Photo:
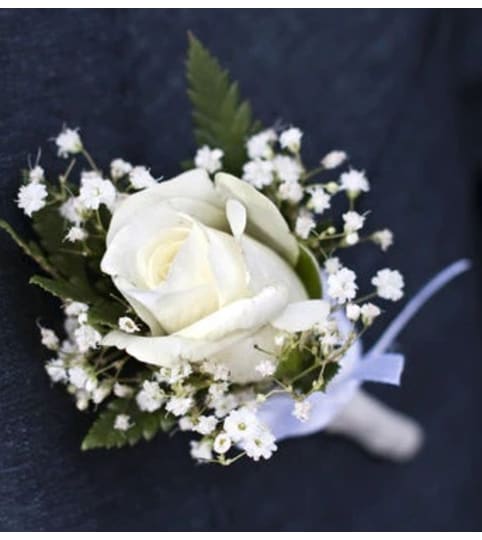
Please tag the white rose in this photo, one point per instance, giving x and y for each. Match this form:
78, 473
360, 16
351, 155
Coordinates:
209, 267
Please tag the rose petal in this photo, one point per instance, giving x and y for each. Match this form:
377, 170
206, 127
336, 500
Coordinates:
265, 222
178, 309
301, 316
123, 286
236, 214
266, 267
227, 263
189, 292
245, 314
122, 253
207, 337
160, 351
191, 192
242, 357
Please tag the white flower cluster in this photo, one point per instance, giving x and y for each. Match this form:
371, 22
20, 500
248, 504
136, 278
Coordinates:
342, 286
229, 419
139, 177
81, 366
242, 428
368, 312
94, 190
275, 167
72, 365
32, 196
209, 159
282, 169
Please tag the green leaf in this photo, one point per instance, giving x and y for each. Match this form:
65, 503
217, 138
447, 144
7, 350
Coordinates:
106, 313
144, 426
70, 259
51, 230
221, 119
29, 248
329, 372
291, 364
63, 289
309, 272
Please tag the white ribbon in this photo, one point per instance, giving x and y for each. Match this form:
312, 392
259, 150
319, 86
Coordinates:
376, 365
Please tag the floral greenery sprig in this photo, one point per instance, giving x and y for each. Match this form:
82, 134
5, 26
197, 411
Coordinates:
140, 370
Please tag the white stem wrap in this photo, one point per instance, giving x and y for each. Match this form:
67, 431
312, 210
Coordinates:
345, 409
377, 428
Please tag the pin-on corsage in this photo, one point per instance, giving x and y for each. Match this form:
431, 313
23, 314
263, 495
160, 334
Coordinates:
217, 302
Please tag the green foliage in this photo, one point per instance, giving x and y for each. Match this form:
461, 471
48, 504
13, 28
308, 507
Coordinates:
144, 426
106, 313
66, 258
329, 371
291, 363
309, 272
76, 273
302, 368
74, 276
29, 248
50, 228
64, 289
221, 119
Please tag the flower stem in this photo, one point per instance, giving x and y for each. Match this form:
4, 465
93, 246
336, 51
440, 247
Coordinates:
365, 298
90, 160
313, 172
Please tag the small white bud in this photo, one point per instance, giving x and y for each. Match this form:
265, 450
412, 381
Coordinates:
332, 188
266, 368
185, 423
334, 159
82, 401
304, 225
122, 390
290, 139
222, 443
119, 168
49, 339
122, 422
126, 324
352, 239
353, 312
68, 142
383, 238
36, 174
76, 234
100, 393
369, 312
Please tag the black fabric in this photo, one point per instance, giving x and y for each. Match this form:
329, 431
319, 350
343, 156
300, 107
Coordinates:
401, 92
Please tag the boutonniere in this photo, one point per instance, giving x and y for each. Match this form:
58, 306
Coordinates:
216, 302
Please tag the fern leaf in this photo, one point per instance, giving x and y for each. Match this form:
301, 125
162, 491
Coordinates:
221, 118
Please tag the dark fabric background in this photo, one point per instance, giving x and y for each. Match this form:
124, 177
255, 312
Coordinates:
401, 92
